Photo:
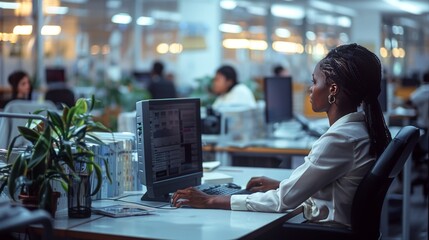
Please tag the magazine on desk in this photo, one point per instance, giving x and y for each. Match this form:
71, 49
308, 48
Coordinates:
121, 210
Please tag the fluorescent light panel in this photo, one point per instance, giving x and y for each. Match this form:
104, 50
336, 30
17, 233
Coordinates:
121, 18
9, 5
230, 28
287, 11
228, 4
57, 10
405, 6
145, 21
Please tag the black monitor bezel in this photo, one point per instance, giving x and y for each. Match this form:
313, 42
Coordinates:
160, 190
288, 99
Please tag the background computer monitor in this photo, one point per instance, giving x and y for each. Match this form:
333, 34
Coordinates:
168, 145
142, 78
278, 97
55, 75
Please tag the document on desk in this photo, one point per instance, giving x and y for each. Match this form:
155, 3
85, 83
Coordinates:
121, 210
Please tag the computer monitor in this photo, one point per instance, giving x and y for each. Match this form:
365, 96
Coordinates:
55, 75
278, 99
142, 78
169, 152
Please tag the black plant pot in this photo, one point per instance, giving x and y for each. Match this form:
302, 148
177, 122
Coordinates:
79, 197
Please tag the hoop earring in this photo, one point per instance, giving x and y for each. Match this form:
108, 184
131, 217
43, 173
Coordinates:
331, 99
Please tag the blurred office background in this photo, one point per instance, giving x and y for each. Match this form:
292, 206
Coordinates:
107, 47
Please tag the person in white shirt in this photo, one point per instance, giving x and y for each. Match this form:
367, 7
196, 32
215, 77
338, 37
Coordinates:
229, 92
420, 100
325, 184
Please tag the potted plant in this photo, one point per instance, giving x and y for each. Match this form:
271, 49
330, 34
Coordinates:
60, 152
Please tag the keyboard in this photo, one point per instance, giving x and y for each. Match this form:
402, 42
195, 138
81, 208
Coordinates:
223, 189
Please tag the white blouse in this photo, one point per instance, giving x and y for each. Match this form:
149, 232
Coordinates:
326, 182
239, 95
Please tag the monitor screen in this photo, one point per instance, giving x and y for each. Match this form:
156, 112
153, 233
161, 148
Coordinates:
55, 75
278, 99
142, 78
168, 145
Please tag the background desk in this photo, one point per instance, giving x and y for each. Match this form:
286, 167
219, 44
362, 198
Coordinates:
182, 223
230, 152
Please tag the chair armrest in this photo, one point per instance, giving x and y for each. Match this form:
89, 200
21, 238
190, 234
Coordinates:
315, 231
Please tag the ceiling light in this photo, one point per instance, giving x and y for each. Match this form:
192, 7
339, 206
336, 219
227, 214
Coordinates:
145, 21
23, 29
405, 6
51, 30
332, 8
57, 10
291, 12
228, 4
344, 22
121, 18
230, 28
235, 43
282, 32
9, 5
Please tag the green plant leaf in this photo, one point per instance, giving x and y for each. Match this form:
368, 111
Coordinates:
99, 177
29, 134
41, 148
57, 121
18, 169
106, 166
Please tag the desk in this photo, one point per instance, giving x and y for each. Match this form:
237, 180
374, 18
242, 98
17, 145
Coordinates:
182, 223
284, 148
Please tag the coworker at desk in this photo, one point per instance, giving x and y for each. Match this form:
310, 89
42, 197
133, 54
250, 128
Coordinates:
21, 86
161, 87
325, 184
229, 92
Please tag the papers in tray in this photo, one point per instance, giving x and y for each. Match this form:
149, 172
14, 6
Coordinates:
210, 166
121, 210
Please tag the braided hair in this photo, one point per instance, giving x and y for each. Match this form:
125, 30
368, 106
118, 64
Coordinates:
357, 71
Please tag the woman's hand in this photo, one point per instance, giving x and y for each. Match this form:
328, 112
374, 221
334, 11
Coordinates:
262, 184
195, 198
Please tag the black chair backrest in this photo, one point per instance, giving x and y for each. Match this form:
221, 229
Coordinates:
369, 197
61, 96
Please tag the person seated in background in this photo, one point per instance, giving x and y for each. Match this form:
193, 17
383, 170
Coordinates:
161, 87
229, 92
21, 86
419, 99
280, 71
323, 187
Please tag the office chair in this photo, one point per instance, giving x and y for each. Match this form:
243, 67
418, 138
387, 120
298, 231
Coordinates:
14, 218
61, 96
369, 197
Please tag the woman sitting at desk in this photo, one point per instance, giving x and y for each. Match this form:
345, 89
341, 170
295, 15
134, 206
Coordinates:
229, 92
325, 184
21, 86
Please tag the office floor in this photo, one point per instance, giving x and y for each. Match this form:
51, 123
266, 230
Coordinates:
418, 215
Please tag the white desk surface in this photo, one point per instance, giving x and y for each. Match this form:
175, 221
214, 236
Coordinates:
188, 223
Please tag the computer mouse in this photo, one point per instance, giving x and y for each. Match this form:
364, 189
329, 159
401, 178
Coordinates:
232, 185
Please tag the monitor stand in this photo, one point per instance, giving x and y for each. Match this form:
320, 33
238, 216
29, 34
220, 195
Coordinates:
164, 198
